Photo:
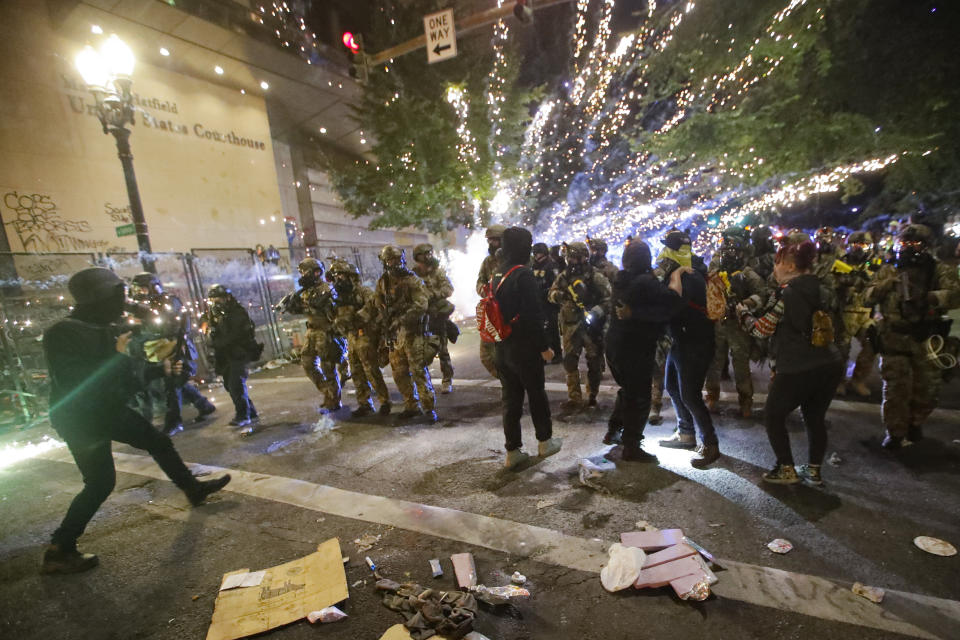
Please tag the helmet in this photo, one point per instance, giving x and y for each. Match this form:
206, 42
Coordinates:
341, 267
540, 248
577, 250
859, 237
794, 236
733, 241
674, 239
218, 291
393, 256
495, 231
422, 249
146, 280
309, 265
916, 233
736, 232
760, 233
597, 246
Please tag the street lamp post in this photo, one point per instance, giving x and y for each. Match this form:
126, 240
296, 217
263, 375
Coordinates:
107, 75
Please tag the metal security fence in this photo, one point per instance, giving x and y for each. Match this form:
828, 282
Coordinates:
33, 296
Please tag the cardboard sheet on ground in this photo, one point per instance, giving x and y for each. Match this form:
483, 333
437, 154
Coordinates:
400, 632
287, 592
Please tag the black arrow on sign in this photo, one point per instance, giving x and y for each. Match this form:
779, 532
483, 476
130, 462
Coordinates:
437, 49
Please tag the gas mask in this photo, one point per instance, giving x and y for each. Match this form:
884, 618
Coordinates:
492, 245
731, 260
308, 279
858, 254
343, 285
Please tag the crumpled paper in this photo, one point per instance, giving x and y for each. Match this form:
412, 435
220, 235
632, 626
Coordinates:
623, 567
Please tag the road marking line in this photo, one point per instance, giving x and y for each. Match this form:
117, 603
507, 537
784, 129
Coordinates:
763, 586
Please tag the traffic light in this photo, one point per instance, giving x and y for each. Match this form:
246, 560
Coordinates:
523, 10
354, 43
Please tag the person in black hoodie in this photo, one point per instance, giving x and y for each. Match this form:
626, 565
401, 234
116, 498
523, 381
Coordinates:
806, 375
92, 380
642, 307
521, 356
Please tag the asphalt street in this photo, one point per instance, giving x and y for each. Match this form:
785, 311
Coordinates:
302, 479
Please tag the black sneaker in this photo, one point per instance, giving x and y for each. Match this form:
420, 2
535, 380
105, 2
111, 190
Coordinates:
60, 562
237, 420
633, 453
205, 411
204, 488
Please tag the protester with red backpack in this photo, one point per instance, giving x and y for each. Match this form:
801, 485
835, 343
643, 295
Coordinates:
522, 348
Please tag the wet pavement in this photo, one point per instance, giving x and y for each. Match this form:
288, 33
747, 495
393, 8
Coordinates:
157, 554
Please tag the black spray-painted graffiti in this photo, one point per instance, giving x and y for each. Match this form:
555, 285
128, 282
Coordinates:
36, 221
120, 215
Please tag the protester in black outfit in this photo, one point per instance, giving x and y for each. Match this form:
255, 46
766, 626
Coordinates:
234, 346
92, 380
806, 375
545, 271
521, 356
642, 306
693, 337
166, 320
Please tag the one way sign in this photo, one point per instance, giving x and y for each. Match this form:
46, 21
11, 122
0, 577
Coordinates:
441, 36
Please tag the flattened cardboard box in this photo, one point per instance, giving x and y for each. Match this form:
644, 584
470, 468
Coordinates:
287, 593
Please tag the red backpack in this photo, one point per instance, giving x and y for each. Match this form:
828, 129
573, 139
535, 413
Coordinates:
490, 322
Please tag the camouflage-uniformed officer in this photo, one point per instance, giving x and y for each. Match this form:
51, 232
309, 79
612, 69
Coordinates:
598, 259
764, 252
402, 300
545, 272
743, 286
856, 315
439, 308
322, 351
489, 269
356, 318
580, 290
912, 294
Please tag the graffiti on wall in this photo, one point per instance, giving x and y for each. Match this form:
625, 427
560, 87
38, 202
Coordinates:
35, 222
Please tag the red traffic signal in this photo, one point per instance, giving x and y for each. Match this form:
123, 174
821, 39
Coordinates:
351, 42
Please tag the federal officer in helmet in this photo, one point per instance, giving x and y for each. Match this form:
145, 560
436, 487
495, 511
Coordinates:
598, 258
402, 301
166, 331
912, 294
357, 318
488, 270
852, 280
583, 294
233, 339
439, 309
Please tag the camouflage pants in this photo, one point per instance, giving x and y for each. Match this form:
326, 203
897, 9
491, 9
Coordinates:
319, 358
575, 341
865, 359
730, 337
911, 384
365, 370
411, 373
446, 365
488, 353
659, 370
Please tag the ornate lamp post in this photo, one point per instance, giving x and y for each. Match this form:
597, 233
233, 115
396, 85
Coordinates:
107, 75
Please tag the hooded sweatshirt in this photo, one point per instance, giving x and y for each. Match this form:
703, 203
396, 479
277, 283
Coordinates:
519, 294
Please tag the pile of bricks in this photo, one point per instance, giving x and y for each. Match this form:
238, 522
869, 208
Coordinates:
670, 561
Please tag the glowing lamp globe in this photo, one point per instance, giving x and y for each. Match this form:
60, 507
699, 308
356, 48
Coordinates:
118, 56
92, 67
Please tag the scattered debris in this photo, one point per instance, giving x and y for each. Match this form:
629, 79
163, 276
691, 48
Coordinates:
623, 567
717, 524
428, 612
936, 546
242, 579
465, 568
435, 568
834, 459
669, 554
591, 472
548, 502
320, 519
307, 584
196, 597
328, 614
780, 545
873, 594
643, 525
706, 554
370, 564
652, 540
518, 578
345, 559
496, 596
358, 583
692, 587
366, 542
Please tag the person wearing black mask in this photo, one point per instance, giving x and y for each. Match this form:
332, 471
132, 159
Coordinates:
642, 307
545, 271
521, 356
92, 380
693, 344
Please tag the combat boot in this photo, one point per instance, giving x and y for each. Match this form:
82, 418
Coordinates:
633, 453
782, 474
655, 418
893, 443
515, 458
385, 409
205, 411
679, 440
746, 406
408, 413
613, 435
432, 417
361, 411
446, 387
571, 405
708, 454
712, 399
592, 402
64, 561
